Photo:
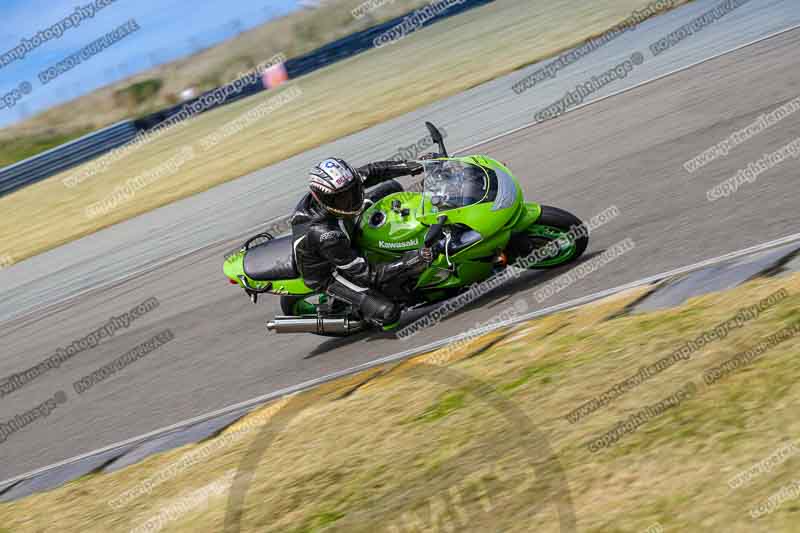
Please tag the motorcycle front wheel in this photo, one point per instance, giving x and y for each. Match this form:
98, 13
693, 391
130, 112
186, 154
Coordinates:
534, 246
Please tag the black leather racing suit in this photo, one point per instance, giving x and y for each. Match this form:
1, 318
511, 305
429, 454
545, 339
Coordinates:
328, 261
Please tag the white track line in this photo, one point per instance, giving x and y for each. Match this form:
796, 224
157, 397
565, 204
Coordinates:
310, 384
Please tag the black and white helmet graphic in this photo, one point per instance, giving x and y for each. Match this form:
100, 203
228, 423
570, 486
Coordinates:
337, 187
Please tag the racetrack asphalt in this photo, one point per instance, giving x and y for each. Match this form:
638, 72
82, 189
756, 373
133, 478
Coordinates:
625, 151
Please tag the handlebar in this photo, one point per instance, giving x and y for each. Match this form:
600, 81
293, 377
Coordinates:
435, 231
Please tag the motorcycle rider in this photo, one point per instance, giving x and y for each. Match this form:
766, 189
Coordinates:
323, 230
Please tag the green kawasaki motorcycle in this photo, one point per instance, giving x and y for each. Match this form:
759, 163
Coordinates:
472, 206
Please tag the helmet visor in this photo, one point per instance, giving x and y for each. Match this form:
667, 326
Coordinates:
347, 202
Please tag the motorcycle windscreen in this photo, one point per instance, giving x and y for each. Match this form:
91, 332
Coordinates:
454, 184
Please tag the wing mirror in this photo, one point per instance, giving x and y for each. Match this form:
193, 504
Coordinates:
436, 135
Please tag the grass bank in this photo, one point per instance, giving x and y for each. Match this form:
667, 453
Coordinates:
483, 443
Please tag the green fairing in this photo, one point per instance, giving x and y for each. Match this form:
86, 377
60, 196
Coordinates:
386, 242
234, 270
388, 239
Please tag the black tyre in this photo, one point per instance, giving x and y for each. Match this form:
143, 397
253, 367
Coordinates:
553, 225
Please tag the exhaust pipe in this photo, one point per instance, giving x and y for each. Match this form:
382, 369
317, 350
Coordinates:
319, 325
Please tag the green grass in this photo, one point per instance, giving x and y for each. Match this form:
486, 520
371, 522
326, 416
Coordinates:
442, 408
14, 150
138, 93
319, 522
544, 374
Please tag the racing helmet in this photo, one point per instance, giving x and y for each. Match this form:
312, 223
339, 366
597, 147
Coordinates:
337, 187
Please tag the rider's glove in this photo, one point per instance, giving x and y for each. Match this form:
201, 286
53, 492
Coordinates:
415, 168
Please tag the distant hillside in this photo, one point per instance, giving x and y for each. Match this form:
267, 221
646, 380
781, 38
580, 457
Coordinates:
159, 87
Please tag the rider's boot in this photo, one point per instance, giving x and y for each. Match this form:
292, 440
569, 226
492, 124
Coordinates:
371, 304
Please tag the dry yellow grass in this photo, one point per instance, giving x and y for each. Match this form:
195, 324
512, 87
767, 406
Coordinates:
294, 34
392, 80
456, 446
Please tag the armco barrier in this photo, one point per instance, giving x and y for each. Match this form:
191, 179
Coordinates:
65, 156
363, 40
96, 144
321, 57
